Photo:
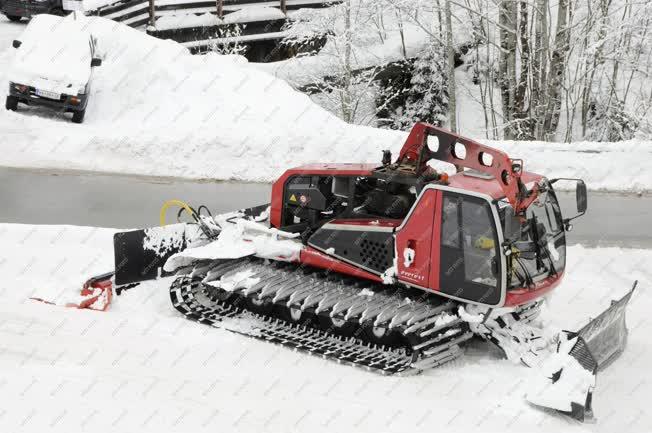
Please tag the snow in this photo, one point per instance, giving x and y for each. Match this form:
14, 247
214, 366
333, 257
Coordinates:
164, 239
178, 21
241, 238
445, 319
573, 385
521, 342
54, 55
142, 367
408, 257
143, 118
252, 14
86, 5
389, 276
242, 279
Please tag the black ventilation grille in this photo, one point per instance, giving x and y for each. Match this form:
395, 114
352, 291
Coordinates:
374, 254
373, 250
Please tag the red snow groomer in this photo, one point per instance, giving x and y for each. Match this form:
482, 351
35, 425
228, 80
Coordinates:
390, 266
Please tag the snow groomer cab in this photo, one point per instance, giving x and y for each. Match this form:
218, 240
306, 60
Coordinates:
486, 232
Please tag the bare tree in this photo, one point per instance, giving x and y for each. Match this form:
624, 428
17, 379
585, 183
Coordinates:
507, 16
557, 68
543, 70
452, 100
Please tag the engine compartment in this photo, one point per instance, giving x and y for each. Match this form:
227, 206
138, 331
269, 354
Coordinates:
309, 201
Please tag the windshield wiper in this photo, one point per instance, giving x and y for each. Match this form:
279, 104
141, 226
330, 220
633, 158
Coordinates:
541, 245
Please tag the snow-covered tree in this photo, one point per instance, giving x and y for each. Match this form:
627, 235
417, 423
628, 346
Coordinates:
227, 40
354, 57
610, 123
535, 67
428, 98
392, 92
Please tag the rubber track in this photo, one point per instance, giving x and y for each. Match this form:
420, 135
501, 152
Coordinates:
189, 297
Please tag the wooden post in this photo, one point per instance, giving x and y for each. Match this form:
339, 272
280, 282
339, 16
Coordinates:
220, 8
152, 14
284, 7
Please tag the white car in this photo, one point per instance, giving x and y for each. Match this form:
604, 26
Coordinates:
54, 65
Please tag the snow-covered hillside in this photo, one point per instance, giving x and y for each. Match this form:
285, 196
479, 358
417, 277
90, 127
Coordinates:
157, 110
141, 367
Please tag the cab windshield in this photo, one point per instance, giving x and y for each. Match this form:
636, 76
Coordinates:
542, 240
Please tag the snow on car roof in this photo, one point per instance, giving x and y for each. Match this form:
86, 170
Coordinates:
55, 49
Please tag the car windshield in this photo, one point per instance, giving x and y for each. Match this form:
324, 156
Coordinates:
544, 231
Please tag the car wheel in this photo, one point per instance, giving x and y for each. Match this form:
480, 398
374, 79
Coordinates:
14, 18
11, 103
78, 116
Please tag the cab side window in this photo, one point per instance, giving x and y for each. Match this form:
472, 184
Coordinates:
450, 222
469, 266
479, 242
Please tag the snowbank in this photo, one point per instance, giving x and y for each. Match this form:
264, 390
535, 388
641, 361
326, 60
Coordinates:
619, 166
141, 367
157, 110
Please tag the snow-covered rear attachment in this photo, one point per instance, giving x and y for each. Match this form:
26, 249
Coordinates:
140, 254
569, 375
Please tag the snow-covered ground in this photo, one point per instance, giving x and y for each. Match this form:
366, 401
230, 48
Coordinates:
157, 110
141, 367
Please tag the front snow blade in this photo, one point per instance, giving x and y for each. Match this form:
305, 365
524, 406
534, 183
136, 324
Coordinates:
599, 343
140, 254
605, 336
569, 375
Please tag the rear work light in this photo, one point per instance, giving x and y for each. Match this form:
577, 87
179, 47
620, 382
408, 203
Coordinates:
20, 87
74, 100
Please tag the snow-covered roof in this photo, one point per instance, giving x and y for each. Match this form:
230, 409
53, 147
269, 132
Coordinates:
251, 14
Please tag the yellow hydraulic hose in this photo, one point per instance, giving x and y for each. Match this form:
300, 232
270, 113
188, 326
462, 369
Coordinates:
173, 202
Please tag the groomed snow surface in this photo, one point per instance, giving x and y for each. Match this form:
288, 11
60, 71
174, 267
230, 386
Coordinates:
157, 110
141, 367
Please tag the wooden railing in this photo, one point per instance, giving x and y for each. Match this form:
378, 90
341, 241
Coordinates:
266, 32
136, 13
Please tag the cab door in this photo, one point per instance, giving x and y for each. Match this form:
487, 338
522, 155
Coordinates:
414, 241
470, 266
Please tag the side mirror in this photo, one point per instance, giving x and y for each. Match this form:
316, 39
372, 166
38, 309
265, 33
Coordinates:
96, 62
16, 43
581, 200
581, 196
